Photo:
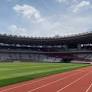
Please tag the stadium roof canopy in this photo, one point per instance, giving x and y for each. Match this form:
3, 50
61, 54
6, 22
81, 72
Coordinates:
79, 38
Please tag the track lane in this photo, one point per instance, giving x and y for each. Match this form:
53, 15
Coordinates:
53, 87
31, 85
79, 85
89, 89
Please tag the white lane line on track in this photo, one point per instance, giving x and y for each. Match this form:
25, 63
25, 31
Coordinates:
52, 82
21, 85
74, 82
89, 88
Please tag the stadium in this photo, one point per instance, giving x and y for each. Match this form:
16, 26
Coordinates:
45, 46
77, 47
24, 58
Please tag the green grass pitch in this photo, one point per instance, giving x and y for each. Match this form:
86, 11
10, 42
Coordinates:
11, 73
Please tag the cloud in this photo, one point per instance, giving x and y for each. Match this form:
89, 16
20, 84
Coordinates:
65, 24
67, 1
81, 5
15, 30
61, 1
29, 12
72, 24
55, 25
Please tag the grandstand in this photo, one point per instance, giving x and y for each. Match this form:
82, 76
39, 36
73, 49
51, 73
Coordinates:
74, 47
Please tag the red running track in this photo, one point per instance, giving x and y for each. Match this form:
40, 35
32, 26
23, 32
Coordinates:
79, 80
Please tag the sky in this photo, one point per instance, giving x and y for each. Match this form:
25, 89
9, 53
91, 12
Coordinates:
45, 18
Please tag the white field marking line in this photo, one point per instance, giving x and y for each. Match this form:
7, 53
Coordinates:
21, 85
74, 82
89, 87
52, 82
